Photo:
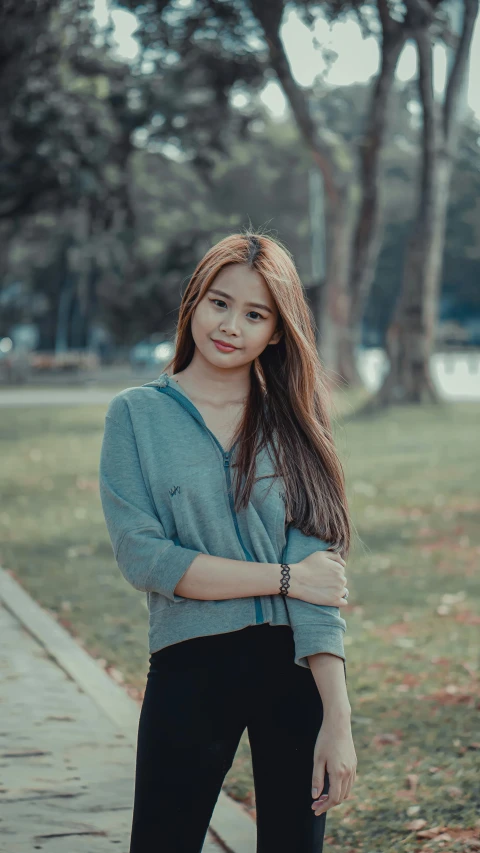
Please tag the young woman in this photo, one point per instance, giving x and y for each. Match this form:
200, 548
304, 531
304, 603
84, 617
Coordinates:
224, 500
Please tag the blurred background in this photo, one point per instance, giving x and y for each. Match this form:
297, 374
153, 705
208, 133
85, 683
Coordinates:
136, 135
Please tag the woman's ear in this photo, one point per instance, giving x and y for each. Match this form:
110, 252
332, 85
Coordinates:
276, 336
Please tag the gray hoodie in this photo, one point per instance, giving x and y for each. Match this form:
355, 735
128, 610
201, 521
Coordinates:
165, 490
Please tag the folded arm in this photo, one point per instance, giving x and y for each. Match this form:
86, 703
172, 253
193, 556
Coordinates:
316, 627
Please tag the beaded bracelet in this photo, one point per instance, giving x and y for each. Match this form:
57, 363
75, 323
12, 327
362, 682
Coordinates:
285, 583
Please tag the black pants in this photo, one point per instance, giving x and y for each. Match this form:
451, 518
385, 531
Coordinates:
200, 696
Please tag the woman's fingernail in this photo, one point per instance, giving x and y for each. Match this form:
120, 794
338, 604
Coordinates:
314, 792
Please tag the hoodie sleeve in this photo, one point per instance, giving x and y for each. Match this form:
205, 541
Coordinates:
144, 555
316, 627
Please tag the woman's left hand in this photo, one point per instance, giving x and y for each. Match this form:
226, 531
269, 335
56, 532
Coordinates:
334, 752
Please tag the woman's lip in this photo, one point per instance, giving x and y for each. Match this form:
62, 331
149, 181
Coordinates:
225, 348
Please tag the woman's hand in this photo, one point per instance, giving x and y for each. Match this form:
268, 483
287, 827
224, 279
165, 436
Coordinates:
320, 579
335, 753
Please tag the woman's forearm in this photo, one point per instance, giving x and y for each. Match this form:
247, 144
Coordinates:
329, 676
214, 578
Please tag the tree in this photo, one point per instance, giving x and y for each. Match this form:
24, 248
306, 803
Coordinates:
211, 51
66, 122
411, 335
26, 54
353, 229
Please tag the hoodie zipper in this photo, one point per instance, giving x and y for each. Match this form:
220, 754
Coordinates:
187, 404
226, 463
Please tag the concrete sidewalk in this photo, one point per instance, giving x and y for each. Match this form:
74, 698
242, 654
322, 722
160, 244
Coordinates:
19, 397
66, 773
66, 760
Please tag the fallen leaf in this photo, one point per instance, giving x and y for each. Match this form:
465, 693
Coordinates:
385, 738
115, 674
416, 824
412, 781
432, 832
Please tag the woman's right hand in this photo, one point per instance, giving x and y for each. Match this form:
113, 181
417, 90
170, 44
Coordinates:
320, 579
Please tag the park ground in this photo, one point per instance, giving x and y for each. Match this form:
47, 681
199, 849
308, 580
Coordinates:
413, 618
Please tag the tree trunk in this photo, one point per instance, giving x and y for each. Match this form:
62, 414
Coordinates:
411, 336
353, 237
369, 224
338, 354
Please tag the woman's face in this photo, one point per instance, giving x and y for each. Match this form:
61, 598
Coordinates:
237, 309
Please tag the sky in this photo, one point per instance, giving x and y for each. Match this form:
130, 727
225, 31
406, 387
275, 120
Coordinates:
357, 57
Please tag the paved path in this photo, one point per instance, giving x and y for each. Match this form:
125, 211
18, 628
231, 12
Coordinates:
66, 770
55, 397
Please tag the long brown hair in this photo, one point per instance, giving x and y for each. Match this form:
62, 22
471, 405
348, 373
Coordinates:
287, 408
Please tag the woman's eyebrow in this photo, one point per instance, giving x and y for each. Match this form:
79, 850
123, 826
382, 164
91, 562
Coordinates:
254, 304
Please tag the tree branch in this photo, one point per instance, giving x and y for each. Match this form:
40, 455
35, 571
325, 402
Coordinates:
456, 81
269, 17
365, 246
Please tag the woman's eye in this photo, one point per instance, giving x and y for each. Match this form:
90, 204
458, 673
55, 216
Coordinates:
250, 312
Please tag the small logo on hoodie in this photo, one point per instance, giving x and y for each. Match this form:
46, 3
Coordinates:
173, 491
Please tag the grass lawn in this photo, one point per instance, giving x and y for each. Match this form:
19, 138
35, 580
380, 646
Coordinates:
413, 620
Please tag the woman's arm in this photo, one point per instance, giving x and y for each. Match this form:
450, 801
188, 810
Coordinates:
214, 578
316, 627
327, 671
334, 751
